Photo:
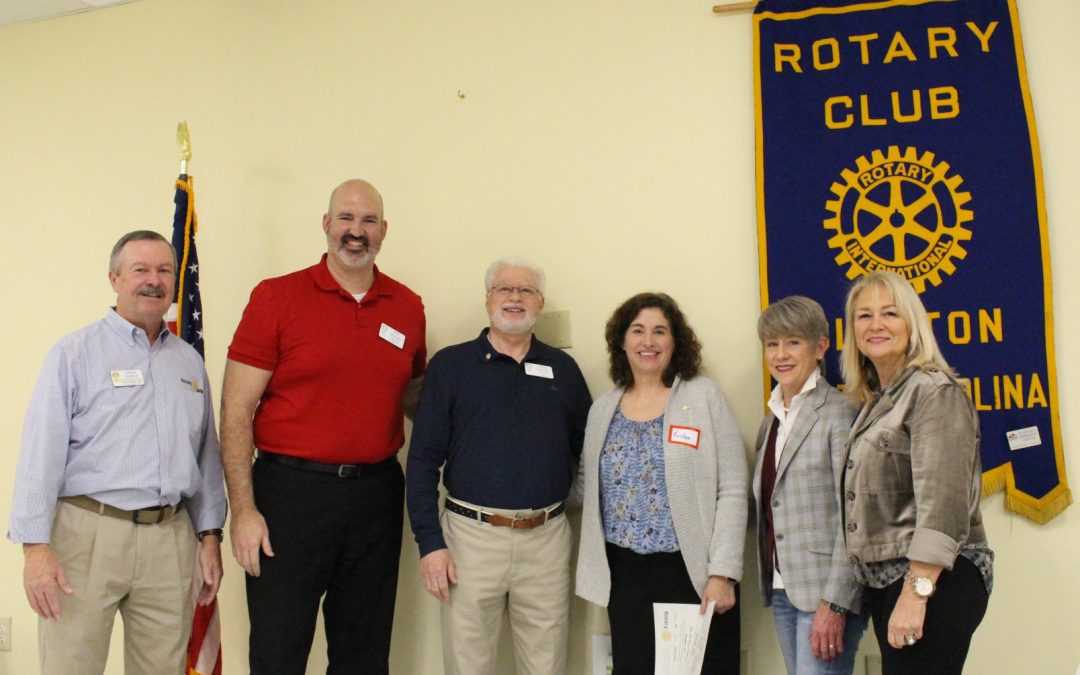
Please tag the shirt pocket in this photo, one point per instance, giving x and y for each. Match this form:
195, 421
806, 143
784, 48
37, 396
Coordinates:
187, 403
889, 455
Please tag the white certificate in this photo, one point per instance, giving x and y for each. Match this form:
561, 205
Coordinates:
681, 634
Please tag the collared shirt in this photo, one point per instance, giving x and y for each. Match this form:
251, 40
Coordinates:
339, 366
149, 444
787, 418
509, 433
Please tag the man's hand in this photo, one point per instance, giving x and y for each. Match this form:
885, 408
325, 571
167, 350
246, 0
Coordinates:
42, 576
249, 535
210, 565
437, 571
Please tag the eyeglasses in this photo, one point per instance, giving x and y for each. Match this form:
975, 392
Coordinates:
526, 292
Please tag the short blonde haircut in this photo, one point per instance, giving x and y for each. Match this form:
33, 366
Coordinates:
796, 316
860, 376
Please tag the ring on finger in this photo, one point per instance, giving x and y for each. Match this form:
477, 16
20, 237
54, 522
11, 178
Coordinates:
910, 639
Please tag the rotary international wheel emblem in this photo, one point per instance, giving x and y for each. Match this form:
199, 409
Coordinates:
901, 212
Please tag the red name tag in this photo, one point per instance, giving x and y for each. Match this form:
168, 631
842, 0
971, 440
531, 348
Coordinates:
684, 436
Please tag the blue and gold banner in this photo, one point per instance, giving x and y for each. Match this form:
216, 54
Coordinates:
900, 135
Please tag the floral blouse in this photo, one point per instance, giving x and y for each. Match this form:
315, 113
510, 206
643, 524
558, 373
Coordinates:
633, 494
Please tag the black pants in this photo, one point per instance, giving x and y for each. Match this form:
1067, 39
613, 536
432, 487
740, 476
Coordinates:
952, 615
335, 536
637, 581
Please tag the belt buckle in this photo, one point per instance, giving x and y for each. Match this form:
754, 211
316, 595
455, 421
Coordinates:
348, 470
136, 516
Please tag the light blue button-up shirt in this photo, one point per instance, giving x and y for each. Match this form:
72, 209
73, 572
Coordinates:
132, 447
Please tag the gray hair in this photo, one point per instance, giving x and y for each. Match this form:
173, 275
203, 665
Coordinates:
137, 235
514, 261
796, 316
860, 376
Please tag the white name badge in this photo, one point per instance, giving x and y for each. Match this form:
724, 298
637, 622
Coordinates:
684, 436
392, 336
1023, 438
539, 370
127, 378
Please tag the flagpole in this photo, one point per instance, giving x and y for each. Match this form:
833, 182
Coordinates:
183, 143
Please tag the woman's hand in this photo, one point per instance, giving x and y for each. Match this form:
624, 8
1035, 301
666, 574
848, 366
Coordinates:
909, 614
907, 618
827, 633
720, 589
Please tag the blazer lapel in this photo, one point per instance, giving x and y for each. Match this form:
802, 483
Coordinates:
808, 417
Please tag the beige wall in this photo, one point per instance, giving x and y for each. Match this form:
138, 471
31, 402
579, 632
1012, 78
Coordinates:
610, 140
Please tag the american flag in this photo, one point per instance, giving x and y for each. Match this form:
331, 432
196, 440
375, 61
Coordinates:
185, 320
185, 315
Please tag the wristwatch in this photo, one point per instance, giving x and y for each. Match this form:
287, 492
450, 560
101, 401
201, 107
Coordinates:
837, 609
216, 532
923, 586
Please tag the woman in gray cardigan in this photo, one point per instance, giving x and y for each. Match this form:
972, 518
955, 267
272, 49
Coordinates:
664, 478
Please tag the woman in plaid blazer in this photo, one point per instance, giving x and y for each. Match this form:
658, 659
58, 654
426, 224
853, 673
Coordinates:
805, 575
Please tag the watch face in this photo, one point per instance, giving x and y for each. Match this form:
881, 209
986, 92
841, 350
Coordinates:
924, 586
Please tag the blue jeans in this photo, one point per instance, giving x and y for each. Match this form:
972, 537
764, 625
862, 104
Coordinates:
793, 628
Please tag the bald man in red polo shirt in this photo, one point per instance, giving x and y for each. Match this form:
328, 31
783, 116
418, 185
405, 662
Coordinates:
323, 364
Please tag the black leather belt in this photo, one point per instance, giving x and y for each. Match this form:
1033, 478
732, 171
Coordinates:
505, 521
339, 470
150, 516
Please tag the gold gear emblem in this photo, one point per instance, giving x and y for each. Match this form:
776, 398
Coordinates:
900, 212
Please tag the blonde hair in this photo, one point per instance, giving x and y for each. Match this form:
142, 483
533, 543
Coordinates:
860, 376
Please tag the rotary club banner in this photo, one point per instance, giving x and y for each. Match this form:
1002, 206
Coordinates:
900, 135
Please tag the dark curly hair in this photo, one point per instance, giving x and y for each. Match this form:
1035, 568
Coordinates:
685, 362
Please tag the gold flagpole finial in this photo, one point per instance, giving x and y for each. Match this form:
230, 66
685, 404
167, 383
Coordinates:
183, 143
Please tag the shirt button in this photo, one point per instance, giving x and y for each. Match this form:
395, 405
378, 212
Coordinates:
851, 527
776, 503
779, 537
851, 464
850, 496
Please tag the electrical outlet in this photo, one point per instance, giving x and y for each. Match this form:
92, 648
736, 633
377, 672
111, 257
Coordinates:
5, 634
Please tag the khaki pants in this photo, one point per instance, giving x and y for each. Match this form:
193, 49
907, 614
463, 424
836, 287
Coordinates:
523, 573
145, 571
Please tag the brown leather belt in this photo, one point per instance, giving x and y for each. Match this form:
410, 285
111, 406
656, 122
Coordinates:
150, 516
504, 521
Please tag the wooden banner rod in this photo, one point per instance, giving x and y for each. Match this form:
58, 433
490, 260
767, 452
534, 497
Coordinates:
734, 7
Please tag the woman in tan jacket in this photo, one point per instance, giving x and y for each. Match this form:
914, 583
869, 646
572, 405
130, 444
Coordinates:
912, 482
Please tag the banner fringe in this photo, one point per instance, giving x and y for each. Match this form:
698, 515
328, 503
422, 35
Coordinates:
992, 483
1045, 512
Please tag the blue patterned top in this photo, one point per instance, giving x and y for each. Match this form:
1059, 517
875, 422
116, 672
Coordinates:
633, 494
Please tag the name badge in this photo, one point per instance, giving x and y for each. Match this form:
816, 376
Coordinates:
539, 370
1027, 437
127, 378
396, 338
684, 436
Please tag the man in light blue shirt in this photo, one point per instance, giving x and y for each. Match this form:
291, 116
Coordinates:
119, 477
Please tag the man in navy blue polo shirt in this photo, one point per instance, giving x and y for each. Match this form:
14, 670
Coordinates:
504, 415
